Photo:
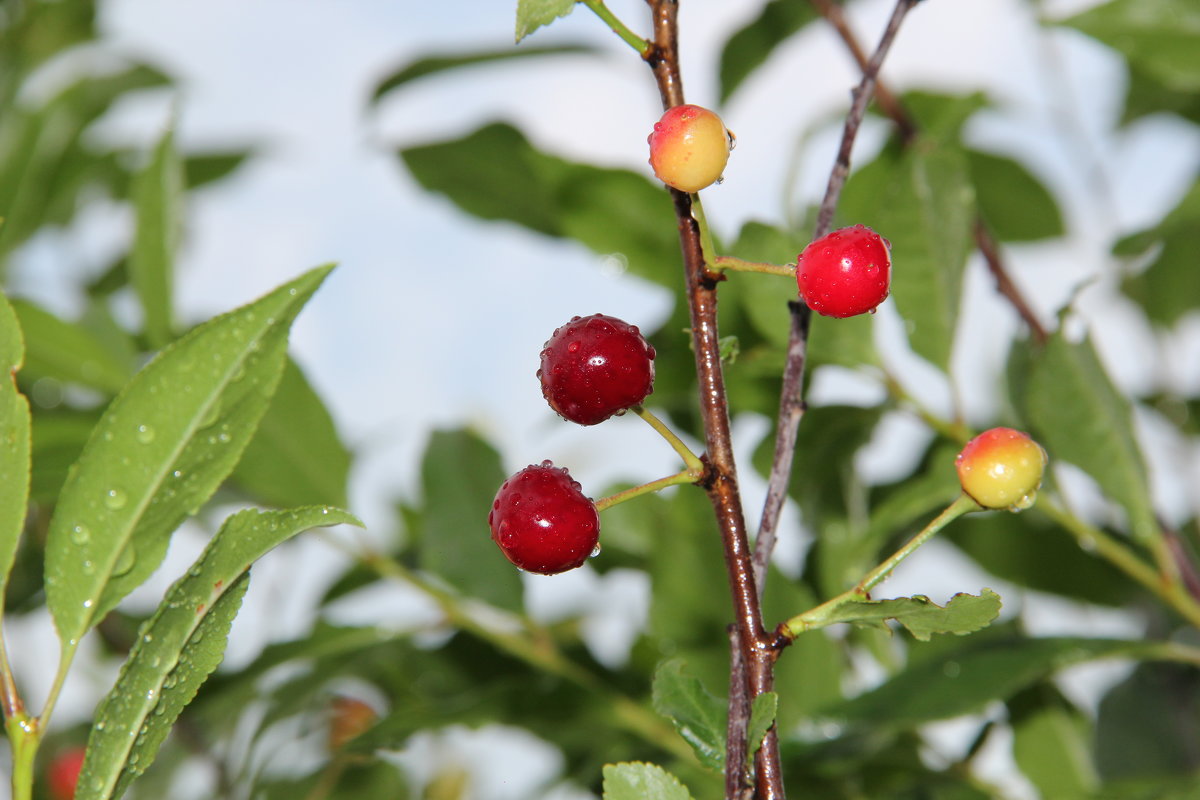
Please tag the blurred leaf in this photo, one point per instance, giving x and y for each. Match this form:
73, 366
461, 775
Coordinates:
1148, 95
920, 199
33, 32
750, 47
181, 644
200, 169
1183, 788
295, 456
637, 781
495, 173
1166, 288
176, 431
15, 443
1052, 744
1014, 204
533, 14
432, 65
1148, 726
460, 474
58, 439
372, 780
1157, 36
1029, 550
814, 661
1079, 416
698, 715
157, 200
961, 681
965, 613
69, 352
762, 717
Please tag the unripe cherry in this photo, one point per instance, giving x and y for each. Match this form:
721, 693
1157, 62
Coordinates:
1001, 468
689, 148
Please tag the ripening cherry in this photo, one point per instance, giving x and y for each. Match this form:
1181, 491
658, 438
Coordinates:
1001, 468
63, 773
689, 148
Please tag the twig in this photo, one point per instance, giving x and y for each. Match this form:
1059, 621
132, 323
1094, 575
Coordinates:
1004, 282
757, 647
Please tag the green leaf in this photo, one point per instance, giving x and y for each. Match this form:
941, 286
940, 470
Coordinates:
69, 351
1156, 36
638, 781
922, 201
160, 450
200, 169
762, 717
965, 613
58, 439
1079, 416
295, 456
181, 644
15, 443
1147, 95
1165, 288
495, 173
460, 474
157, 199
1148, 724
751, 46
1052, 744
963, 680
434, 64
698, 715
1016, 206
533, 14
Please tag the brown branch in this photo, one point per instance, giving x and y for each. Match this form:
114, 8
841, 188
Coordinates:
756, 647
1004, 282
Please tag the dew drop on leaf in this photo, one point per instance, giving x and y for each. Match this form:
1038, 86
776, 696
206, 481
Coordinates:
115, 499
145, 434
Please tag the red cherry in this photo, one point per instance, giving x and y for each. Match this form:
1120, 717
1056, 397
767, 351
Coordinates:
543, 522
846, 272
595, 367
63, 773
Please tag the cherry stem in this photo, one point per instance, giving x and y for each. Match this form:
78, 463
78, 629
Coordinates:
693, 462
684, 476
817, 617
733, 264
640, 45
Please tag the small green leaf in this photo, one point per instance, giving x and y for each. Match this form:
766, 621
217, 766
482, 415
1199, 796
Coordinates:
68, 351
762, 717
751, 46
200, 169
634, 780
295, 456
157, 198
1157, 36
533, 14
1079, 416
698, 715
460, 474
434, 64
1014, 204
965, 613
181, 645
15, 443
160, 450
1052, 744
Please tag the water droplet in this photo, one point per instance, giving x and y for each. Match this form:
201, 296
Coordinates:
223, 437
148, 638
1024, 503
115, 499
125, 560
211, 417
87, 603
145, 434
80, 535
89, 568
595, 551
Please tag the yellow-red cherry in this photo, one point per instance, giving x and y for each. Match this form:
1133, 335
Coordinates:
1001, 468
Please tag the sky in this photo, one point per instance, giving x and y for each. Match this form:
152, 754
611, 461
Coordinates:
435, 320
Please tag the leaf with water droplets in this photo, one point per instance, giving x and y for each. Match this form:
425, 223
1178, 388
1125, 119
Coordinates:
202, 397
181, 645
14, 442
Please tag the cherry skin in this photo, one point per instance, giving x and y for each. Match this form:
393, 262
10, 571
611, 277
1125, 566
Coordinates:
846, 272
1001, 468
594, 367
63, 773
542, 522
689, 148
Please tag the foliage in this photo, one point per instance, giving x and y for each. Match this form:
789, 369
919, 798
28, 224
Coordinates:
113, 433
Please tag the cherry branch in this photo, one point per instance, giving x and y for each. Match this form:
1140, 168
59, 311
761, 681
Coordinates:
791, 403
757, 650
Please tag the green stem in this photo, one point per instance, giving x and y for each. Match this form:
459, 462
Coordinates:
693, 462
686, 476
732, 263
24, 736
815, 618
954, 431
707, 246
602, 11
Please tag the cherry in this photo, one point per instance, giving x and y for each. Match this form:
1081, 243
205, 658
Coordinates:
846, 272
594, 367
1001, 468
63, 773
543, 522
348, 719
689, 148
